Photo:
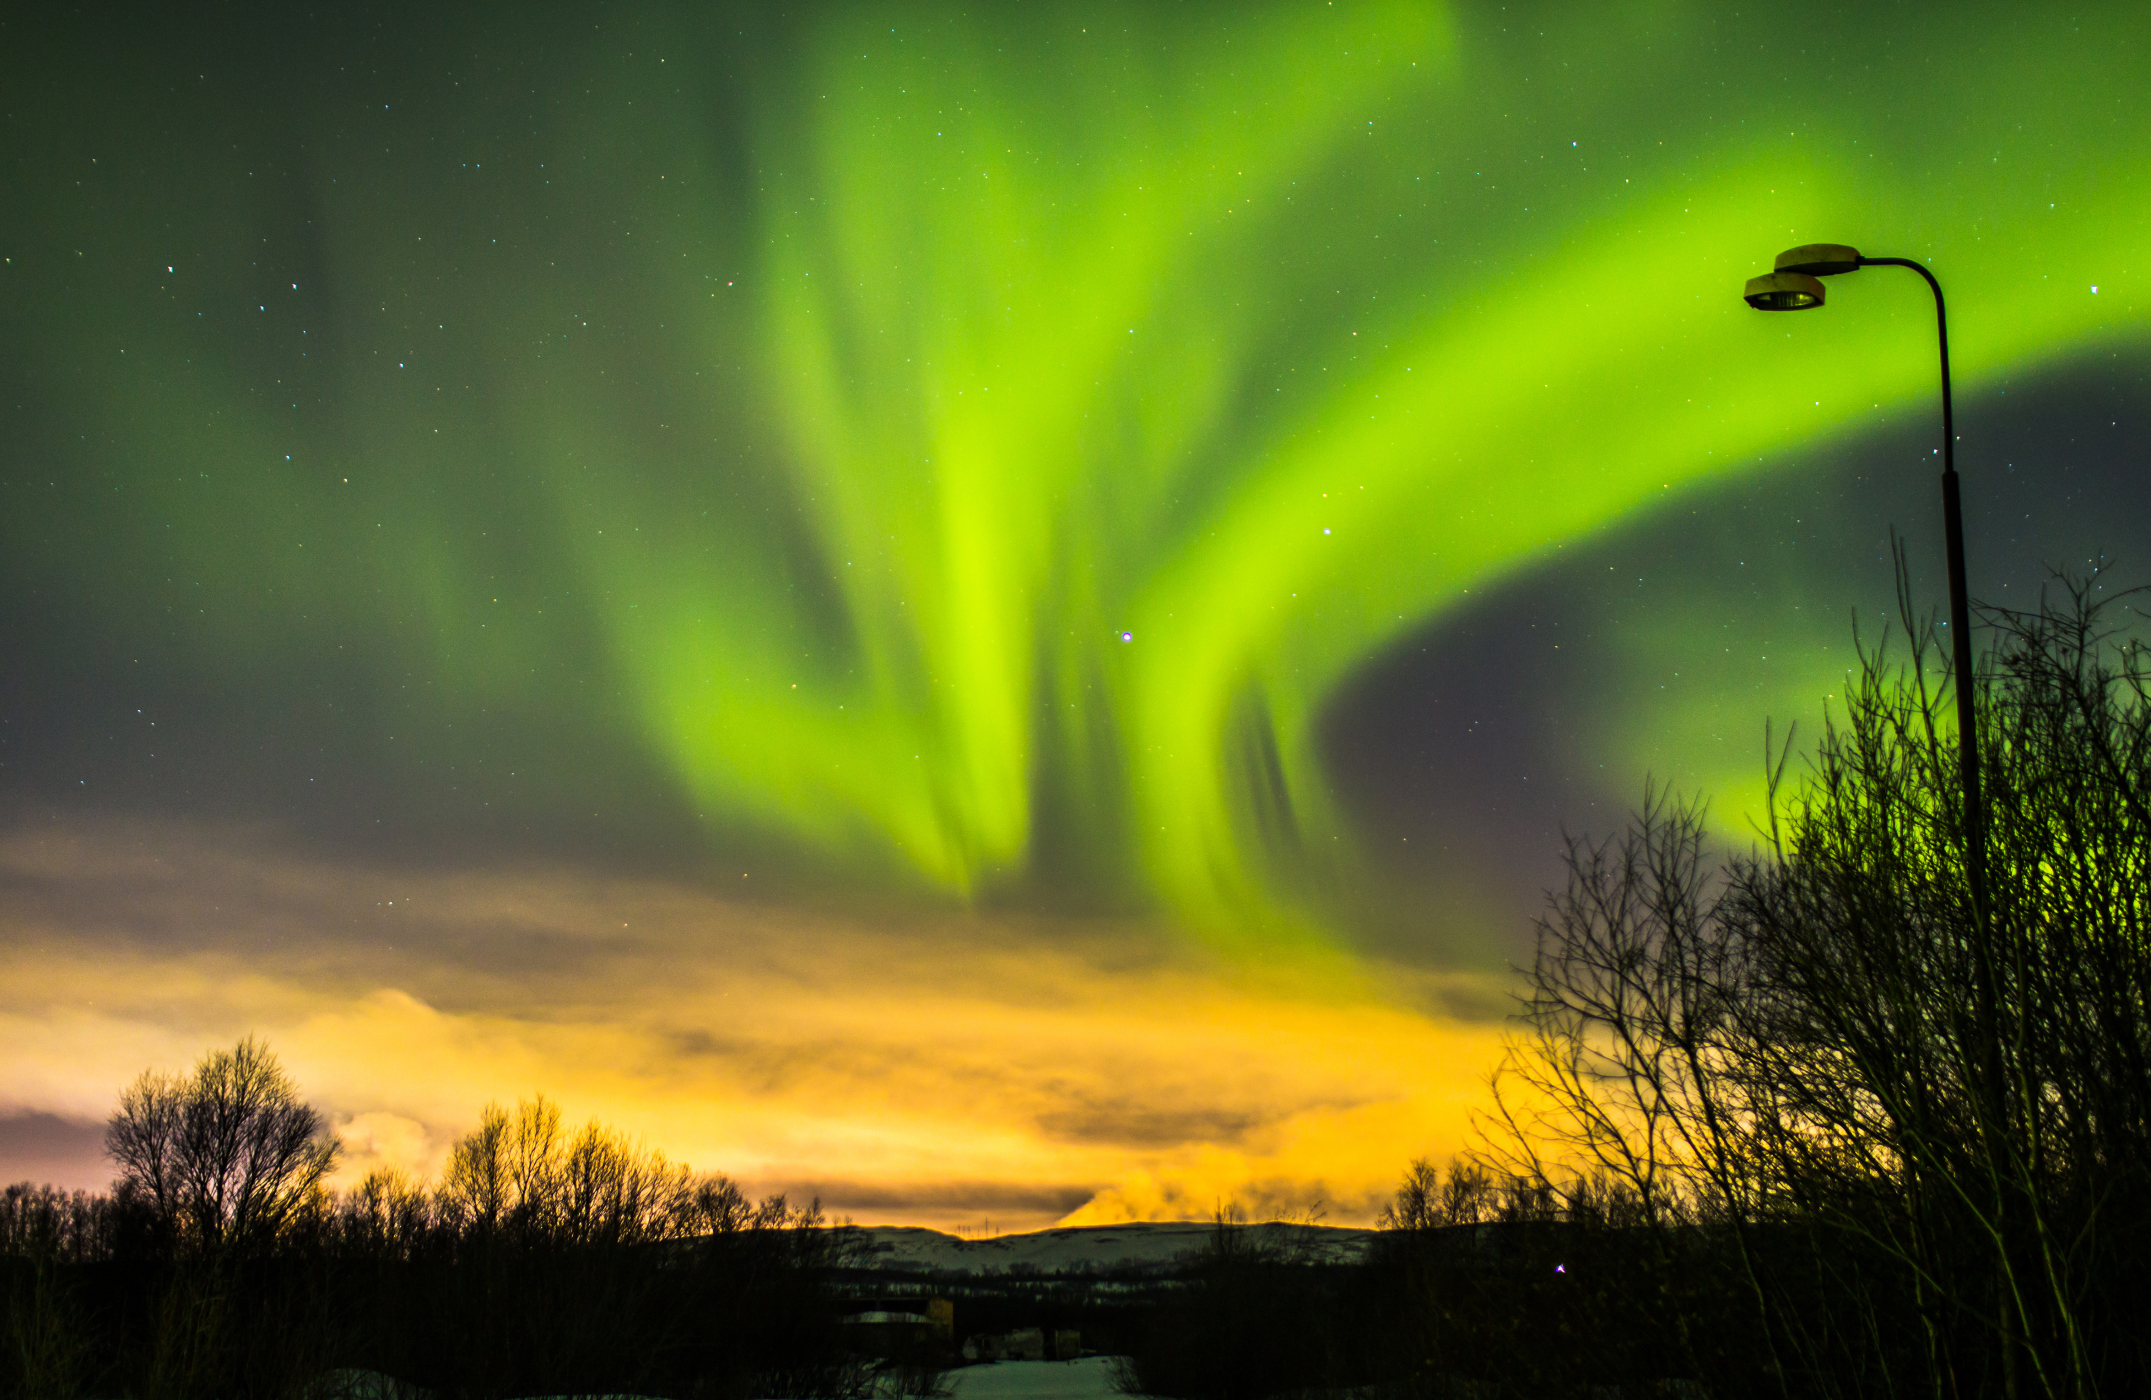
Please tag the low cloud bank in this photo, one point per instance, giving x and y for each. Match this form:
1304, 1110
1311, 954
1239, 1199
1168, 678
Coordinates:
908, 1069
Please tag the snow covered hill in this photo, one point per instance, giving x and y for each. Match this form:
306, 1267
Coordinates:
1095, 1248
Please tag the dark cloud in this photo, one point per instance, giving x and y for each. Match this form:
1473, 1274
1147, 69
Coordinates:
839, 1197
1130, 1126
46, 1148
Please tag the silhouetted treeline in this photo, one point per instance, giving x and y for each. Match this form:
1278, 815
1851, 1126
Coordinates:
1253, 1316
1482, 1285
545, 1262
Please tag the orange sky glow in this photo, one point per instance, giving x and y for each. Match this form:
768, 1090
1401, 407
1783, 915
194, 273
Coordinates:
954, 1071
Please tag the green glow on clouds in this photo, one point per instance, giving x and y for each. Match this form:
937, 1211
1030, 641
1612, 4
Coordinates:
845, 441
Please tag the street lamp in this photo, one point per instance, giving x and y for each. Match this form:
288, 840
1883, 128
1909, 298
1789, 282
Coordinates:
1796, 285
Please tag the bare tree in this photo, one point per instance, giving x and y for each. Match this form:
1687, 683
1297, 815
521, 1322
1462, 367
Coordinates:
386, 1216
227, 1156
1787, 1044
1429, 1199
521, 1173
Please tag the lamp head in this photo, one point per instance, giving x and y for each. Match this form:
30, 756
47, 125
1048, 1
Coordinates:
1819, 259
1783, 291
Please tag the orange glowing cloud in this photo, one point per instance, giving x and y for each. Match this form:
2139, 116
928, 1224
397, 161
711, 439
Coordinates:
919, 1070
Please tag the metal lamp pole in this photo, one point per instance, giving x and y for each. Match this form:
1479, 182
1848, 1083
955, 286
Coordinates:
1796, 285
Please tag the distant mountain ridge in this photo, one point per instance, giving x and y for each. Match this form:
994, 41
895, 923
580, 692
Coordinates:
1145, 1247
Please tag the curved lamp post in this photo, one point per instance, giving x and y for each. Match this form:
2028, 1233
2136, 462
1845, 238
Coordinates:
1796, 285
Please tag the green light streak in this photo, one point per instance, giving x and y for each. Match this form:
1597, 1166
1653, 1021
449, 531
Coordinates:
1262, 339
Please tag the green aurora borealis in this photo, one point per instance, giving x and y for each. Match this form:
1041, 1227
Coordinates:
968, 455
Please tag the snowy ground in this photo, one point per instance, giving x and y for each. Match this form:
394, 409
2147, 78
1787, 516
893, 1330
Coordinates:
1088, 1379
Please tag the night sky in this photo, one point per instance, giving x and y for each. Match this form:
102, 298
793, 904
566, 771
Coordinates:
991, 612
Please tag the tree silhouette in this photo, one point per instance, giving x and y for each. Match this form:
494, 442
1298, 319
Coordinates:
226, 1156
